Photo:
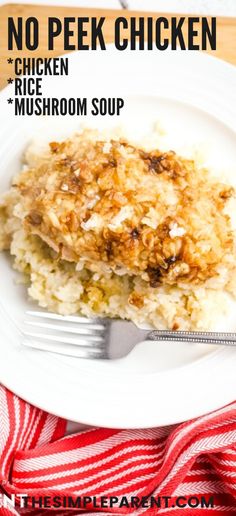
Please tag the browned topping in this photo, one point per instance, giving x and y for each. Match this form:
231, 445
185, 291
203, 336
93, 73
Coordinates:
175, 326
136, 300
112, 163
226, 193
158, 162
72, 221
171, 259
34, 218
154, 164
100, 202
154, 277
135, 234
108, 249
54, 146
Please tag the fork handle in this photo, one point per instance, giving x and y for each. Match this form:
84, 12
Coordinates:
199, 337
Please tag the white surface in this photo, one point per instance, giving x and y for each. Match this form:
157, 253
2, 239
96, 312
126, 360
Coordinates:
154, 385
211, 7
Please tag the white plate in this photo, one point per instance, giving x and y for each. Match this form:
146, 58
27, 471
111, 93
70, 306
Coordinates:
193, 95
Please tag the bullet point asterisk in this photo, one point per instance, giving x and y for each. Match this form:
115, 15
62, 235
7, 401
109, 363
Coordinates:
10, 101
10, 60
10, 81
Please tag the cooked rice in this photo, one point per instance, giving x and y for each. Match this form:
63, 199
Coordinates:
104, 227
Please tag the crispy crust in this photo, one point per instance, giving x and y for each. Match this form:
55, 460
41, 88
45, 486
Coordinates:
152, 214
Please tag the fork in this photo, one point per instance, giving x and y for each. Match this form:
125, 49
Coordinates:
102, 338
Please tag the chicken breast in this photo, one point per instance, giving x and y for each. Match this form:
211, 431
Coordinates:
152, 214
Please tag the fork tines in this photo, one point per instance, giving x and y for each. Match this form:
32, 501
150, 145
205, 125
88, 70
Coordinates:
50, 332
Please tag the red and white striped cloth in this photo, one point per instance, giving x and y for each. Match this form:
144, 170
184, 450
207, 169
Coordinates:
191, 459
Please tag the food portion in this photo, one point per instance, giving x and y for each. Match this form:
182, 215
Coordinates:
106, 227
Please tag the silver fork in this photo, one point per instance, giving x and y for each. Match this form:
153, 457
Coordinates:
102, 338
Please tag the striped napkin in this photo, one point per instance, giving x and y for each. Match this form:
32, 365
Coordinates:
182, 463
